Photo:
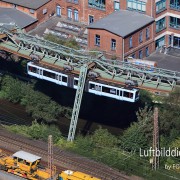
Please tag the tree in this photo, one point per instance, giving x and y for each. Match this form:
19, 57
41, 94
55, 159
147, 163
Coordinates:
102, 138
139, 134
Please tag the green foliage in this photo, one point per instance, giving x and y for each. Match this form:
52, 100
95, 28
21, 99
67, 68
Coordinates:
102, 138
37, 131
69, 43
139, 134
37, 104
145, 97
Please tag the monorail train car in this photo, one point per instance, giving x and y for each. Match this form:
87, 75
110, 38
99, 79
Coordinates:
98, 88
75, 175
145, 63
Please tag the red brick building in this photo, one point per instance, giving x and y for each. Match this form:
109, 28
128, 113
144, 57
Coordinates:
40, 10
123, 33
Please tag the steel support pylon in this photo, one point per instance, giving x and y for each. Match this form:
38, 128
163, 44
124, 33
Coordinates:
77, 102
155, 163
50, 156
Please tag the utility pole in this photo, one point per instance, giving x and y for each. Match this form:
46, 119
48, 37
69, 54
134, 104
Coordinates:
155, 162
50, 156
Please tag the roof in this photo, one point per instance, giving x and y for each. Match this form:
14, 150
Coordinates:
122, 22
11, 15
32, 4
26, 156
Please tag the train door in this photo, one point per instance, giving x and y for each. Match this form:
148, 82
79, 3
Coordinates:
40, 72
120, 94
98, 89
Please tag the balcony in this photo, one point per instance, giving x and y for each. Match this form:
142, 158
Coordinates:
97, 4
175, 7
73, 1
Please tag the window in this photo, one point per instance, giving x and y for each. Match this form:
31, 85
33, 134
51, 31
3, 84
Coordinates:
91, 19
175, 4
133, 56
160, 42
176, 41
32, 69
113, 44
69, 11
76, 15
136, 5
49, 74
44, 11
147, 51
116, 6
97, 40
98, 4
160, 6
31, 11
174, 22
141, 37
147, 33
161, 24
140, 54
64, 79
58, 10
130, 42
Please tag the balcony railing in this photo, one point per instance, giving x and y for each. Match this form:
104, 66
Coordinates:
175, 7
96, 5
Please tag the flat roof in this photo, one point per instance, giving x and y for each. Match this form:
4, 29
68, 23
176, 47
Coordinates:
122, 22
170, 61
26, 156
31, 4
11, 15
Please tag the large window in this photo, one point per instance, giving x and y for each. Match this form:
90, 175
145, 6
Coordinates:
91, 19
147, 51
175, 4
97, 40
58, 10
116, 6
161, 24
140, 54
113, 44
49, 74
147, 33
160, 42
174, 22
136, 5
141, 37
69, 11
76, 15
176, 41
130, 42
160, 6
98, 4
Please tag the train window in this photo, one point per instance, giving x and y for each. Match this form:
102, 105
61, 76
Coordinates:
91, 86
33, 69
128, 95
49, 74
137, 94
75, 82
64, 79
105, 89
113, 91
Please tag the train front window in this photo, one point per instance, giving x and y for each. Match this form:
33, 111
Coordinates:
137, 94
92, 86
49, 74
32, 69
64, 79
75, 82
128, 95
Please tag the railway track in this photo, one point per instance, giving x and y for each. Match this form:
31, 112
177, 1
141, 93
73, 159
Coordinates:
62, 159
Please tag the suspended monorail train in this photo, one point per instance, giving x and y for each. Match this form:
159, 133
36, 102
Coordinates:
98, 88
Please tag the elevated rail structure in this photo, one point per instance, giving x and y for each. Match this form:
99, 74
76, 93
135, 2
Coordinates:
114, 72
75, 62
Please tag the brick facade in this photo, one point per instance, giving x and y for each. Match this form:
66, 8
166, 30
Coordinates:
38, 13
